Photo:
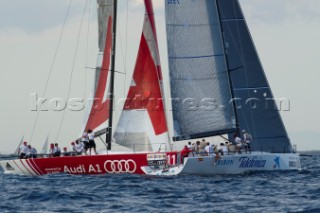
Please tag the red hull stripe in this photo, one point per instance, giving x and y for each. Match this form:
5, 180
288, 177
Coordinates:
36, 166
32, 166
27, 168
14, 161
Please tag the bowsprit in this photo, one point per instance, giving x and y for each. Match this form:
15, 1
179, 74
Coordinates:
120, 166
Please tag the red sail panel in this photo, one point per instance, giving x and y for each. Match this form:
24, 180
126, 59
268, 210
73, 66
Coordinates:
146, 93
100, 109
142, 125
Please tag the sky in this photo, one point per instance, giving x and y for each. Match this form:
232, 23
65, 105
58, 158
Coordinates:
286, 34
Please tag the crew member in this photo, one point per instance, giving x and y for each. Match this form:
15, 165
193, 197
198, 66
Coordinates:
23, 150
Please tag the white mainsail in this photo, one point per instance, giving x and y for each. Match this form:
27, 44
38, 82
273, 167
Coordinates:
199, 79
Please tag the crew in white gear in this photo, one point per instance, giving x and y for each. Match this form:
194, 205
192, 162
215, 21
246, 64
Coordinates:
56, 150
223, 149
23, 149
208, 149
32, 152
247, 138
79, 148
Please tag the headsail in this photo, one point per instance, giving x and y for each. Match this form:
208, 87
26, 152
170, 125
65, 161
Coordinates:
99, 113
200, 88
142, 124
257, 112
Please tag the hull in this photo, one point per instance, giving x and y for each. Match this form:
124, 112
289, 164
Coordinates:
232, 164
94, 164
153, 164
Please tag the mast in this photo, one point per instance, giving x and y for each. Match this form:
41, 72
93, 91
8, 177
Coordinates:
228, 70
113, 59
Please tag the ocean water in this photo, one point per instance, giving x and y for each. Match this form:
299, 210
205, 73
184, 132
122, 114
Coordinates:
252, 192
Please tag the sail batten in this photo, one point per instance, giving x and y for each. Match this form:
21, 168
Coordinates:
238, 19
200, 88
199, 56
249, 88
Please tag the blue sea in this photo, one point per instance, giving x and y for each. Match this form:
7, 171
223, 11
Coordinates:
253, 192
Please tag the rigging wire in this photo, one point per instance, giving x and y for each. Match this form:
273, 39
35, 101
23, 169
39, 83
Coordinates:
160, 80
241, 53
126, 52
169, 115
51, 68
86, 64
94, 68
72, 70
124, 48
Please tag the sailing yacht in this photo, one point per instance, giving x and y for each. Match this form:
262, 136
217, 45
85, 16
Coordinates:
218, 88
212, 60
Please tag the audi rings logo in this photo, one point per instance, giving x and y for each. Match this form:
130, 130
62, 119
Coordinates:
120, 166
